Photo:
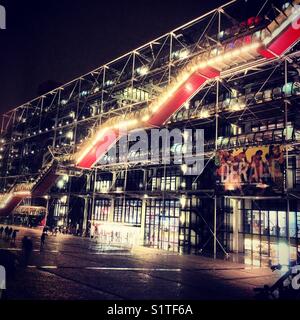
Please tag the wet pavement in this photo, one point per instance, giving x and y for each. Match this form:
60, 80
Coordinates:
73, 268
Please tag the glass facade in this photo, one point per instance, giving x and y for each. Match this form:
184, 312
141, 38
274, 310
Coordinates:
128, 211
162, 224
251, 151
102, 207
60, 210
60, 207
263, 230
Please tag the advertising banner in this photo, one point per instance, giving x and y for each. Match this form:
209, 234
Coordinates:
260, 167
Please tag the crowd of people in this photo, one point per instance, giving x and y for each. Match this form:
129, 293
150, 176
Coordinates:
8, 234
11, 259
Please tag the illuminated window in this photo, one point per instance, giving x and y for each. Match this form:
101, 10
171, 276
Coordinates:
102, 207
162, 224
289, 132
256, 222
102, 186
118, 210
168, 183
273, 223
60, 207
282, 223
264, 223
287, 89
133, 211
128, 211
234, 93
292, 225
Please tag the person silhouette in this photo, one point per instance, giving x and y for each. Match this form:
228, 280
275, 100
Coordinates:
27, 247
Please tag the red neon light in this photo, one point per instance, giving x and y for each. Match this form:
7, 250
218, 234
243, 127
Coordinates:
11, 205
279, 46
109, 138
45, 184
266, 53
283, 42
183, 94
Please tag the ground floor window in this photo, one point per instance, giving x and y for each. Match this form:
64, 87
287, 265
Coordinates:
271, 223
266, 232
259, 250
133, 212
118, 210
128, 211
162, 224
102, 185
61, 207
102, 207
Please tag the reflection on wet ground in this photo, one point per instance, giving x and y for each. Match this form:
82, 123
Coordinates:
77, 268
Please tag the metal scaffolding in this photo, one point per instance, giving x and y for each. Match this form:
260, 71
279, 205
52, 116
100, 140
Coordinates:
54, 127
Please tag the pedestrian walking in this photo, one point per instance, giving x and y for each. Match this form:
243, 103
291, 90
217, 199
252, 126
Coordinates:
10, 231
14, 236
1, 231
45, 230
6, 232
27, 247
43, 238
92, 231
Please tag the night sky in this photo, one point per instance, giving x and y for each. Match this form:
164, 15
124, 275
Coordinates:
59, 40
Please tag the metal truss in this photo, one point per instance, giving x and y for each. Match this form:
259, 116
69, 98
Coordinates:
55, 125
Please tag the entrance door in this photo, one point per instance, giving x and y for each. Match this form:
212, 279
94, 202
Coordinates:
162, 224
169, 233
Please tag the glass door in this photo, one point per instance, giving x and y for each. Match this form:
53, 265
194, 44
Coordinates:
162, 224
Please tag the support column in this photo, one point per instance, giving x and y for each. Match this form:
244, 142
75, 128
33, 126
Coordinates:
215, 227
85, 216
67, 225
111, 211
236, 224
93, 189
47, 208
288, 233
143, 222
287, 171
216, 148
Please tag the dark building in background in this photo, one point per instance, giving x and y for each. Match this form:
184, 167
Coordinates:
239, 82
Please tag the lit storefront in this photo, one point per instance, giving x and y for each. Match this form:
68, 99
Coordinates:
162, 224
263, 230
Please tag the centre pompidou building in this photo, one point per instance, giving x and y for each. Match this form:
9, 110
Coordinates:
236, 78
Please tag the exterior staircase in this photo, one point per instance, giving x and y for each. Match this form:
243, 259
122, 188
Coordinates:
20, 191
274, 41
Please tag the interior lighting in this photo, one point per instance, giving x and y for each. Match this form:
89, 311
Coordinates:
144, 70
